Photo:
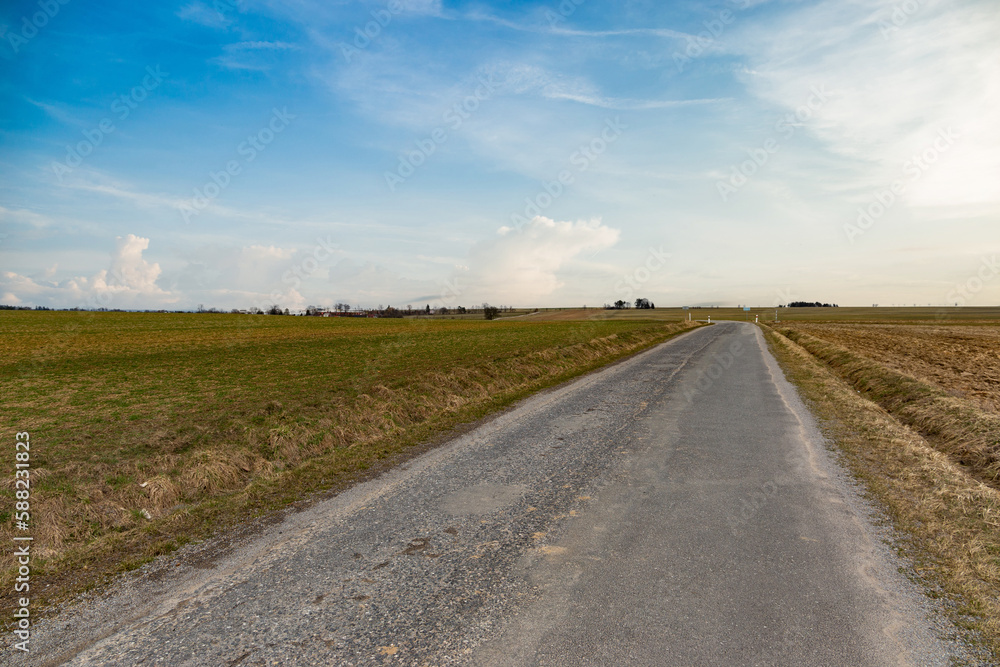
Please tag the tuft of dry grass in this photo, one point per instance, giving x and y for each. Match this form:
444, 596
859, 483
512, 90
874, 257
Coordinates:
950, 519
162, 493
149, 431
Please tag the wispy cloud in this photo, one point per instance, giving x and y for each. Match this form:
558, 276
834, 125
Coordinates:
204, 14
555, 29
272, 46
101, 183
54, 111
426, 7
628, 104
894, 88
98, 182
22, 216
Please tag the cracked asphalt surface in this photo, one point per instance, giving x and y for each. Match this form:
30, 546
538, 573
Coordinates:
678, 508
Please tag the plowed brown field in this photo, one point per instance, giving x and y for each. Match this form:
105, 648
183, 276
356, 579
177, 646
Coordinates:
962, 359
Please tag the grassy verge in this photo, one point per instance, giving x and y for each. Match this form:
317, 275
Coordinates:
149, 431
950, 518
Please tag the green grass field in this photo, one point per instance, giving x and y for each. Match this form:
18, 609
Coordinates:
149, 430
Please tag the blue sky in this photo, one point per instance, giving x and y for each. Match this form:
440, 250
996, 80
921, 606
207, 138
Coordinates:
235, 153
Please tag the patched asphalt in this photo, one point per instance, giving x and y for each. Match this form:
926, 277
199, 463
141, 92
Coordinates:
678, 508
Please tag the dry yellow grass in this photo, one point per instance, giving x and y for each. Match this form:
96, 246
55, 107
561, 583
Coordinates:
950, 518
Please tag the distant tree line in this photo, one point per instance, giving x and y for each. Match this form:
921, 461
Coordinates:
345, 310
339, 310
625, 305
807, 304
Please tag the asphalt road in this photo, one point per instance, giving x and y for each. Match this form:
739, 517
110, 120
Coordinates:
678, 508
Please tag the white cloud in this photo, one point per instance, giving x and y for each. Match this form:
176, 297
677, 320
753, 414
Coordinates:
129, 271
522, 266
525, 266
129, 282
242, 277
